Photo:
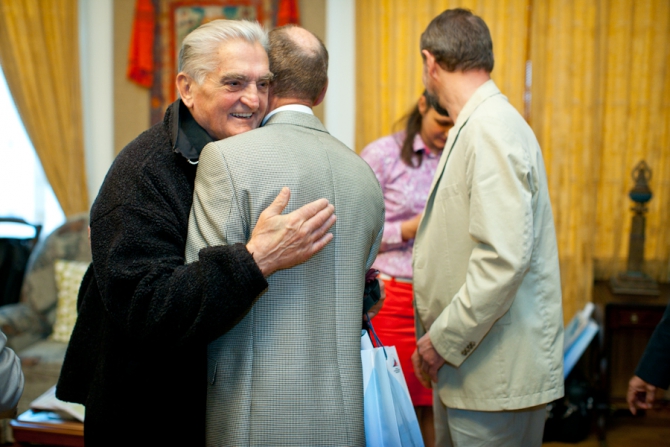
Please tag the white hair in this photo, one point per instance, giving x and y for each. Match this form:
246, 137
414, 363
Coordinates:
196, 56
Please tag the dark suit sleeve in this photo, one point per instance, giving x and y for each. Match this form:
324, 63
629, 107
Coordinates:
654, 367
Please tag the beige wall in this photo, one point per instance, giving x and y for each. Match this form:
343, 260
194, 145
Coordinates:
313, 18
131, 102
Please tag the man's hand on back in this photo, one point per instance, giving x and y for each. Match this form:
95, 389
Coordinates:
282, 241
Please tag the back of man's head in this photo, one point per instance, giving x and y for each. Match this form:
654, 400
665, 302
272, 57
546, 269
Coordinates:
196, 56
459, 40
299, 63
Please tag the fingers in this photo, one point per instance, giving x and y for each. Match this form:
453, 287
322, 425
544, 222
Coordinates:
313, 211
374, 310
640, 395
324, 219
318, 245
418, 371
630, 399
319, 222
416, 365
429, 371
651, 395
278, 204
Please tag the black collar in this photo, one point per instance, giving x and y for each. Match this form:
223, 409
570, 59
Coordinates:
188, 136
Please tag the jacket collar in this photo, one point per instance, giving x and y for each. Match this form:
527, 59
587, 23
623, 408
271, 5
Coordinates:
484, 92
297, 119
188, 137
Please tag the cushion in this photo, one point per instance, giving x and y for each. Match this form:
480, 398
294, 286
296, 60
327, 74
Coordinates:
68, 242
68, 278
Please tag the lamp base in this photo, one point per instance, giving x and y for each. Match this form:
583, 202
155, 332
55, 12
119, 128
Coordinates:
634, 283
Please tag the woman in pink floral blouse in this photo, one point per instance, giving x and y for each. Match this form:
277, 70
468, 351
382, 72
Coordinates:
405, 164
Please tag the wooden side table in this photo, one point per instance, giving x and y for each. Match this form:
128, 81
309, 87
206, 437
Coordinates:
47, 428
626, 322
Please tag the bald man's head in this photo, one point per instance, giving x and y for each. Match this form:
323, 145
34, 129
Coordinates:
299, 62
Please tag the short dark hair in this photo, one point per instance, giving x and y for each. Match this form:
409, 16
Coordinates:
459, 40
300, 70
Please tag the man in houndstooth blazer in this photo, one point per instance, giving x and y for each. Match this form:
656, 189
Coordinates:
289, 373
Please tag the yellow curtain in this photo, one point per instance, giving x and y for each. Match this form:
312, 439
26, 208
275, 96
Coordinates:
388, 61
599, 102
636, 122
565, 115
40, 59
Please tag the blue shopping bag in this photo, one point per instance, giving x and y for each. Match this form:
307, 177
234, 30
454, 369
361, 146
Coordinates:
390, 420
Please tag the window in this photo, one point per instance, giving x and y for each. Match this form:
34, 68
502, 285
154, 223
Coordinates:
24, 189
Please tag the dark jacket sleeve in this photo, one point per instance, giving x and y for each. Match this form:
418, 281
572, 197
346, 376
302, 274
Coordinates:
654, 367
148, 292
139, 225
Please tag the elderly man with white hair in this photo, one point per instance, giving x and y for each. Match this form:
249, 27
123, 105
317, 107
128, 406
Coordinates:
137, 358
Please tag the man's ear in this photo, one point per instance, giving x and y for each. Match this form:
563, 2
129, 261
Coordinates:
322, 95
429, 63
423, 105
185, 88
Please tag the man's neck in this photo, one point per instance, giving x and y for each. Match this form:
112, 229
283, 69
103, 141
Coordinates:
288, 104
275, 102
457, 87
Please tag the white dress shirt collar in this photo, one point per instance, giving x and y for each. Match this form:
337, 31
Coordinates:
292, 107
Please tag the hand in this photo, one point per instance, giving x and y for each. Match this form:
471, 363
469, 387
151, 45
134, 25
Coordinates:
431, 360
423, 378
282, 241
408, 227
640, 394
374, 310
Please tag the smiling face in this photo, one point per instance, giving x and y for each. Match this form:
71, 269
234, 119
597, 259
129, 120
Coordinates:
233, 98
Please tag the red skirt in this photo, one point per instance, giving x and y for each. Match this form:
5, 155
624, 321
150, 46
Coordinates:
394, 325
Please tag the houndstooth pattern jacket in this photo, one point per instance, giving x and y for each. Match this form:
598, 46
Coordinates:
289, 373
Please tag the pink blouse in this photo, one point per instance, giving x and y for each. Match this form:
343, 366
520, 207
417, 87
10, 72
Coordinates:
405, 193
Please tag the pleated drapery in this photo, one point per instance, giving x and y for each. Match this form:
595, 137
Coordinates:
388, 61
592, 79
39, 53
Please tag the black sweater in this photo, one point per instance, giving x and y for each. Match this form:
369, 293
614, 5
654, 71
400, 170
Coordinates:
137, 356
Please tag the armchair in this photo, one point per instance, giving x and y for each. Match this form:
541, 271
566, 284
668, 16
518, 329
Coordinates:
29, 323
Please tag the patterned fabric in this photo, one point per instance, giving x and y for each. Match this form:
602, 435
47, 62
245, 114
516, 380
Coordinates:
68, 278
289, 373
405, 193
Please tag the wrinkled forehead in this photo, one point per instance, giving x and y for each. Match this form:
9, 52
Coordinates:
241, 56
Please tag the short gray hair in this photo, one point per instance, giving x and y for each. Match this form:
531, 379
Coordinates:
197, 50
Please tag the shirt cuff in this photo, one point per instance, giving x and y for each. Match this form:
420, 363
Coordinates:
392, 237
